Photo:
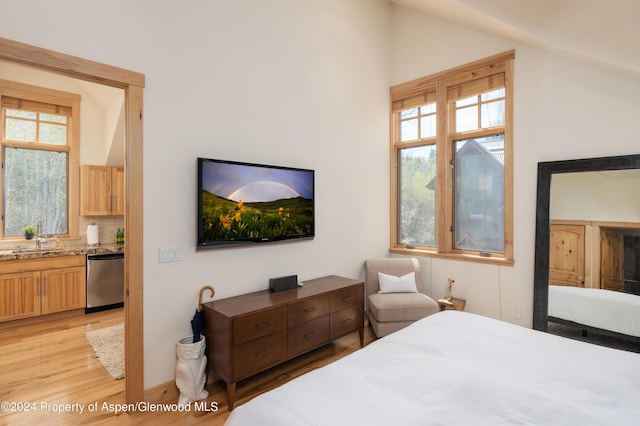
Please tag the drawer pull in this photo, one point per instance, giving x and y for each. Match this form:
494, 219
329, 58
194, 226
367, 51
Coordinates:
310, 335
261, 354
348, 299
309, 310
264, 324
347, 321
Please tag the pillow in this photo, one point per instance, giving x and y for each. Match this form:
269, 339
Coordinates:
393, 284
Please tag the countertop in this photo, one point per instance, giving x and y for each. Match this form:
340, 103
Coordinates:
30, 253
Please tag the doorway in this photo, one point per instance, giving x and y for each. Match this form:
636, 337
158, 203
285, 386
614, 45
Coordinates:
133, 84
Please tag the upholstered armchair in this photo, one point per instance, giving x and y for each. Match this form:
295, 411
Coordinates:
394, 299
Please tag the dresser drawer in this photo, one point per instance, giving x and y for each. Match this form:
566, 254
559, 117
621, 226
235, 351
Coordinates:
308, 309
251, 333
346, 321
307, 336
256, 355
258, 325
346, 297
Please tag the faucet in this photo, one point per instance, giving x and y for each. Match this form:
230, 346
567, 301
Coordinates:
40, 237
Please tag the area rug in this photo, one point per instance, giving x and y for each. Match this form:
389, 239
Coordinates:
108, 344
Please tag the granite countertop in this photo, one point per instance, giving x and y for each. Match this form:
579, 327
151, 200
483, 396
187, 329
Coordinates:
30, 253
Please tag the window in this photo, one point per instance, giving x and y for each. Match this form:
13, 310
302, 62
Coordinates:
39, 157
451, 149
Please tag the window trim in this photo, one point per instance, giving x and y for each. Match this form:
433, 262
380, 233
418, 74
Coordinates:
440, 83
56, 97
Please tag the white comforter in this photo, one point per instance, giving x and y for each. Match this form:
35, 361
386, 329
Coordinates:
604, 309
459, 368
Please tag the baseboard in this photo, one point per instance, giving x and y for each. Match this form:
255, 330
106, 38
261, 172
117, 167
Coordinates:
168, 391
5, 325
164, 392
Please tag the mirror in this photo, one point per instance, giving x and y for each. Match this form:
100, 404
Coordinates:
563, 218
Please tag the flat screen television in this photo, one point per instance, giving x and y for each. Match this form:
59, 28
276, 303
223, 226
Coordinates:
243, 203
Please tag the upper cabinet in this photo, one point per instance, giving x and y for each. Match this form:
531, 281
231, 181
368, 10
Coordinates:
101, 191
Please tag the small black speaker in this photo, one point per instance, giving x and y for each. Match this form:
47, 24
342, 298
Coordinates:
283, 283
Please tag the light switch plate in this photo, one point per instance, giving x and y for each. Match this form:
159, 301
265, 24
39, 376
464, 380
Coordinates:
170, 254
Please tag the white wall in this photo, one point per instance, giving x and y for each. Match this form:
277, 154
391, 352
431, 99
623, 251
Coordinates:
595, 196
302, 84
563, 109
96, 131
286, 82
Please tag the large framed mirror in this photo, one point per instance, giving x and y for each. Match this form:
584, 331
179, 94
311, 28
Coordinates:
587, 211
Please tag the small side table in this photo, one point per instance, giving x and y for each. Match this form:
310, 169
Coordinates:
454, 303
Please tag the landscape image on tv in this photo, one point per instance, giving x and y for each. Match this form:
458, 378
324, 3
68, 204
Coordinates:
244, 202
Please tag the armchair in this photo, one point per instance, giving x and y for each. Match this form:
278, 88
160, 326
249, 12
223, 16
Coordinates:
400, 303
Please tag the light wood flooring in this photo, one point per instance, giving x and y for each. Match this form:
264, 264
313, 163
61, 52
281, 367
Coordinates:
46, 365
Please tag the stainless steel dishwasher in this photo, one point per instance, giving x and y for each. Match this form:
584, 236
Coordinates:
105, 281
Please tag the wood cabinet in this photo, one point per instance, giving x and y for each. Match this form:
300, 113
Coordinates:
611, 260
63, 289
250, 333
31, 288
20, 295
101, 191
587, 254
567, 255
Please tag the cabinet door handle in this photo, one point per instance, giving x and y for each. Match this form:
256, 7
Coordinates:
310, 335
309, 310
347, 321
348, 299
264, 324
44, 286
261, 354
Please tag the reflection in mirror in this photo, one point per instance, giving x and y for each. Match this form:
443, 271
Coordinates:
588, 250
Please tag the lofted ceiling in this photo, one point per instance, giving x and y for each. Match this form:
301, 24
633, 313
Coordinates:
603, 33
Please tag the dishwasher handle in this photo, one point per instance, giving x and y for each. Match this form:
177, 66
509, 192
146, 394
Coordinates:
108, 256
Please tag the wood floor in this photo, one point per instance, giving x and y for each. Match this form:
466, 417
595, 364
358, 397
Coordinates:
44, 366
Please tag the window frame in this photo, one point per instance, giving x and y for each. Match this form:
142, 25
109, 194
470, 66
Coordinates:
407, 94
54, 97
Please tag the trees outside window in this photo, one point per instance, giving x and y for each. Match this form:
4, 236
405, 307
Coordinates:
451, 150
39, 158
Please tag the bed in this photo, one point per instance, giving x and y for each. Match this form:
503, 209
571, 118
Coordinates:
459, 368
597, 309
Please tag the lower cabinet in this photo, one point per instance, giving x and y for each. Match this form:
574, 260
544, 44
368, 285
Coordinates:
42, 286
250, 333
20, 295
63, 289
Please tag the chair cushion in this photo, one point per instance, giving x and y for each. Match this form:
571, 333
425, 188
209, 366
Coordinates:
393, 284
388, 307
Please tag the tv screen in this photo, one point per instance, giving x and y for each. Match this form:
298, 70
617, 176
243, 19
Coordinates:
244, 203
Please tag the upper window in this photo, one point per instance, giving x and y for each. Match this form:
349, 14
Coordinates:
451, 141
37, 156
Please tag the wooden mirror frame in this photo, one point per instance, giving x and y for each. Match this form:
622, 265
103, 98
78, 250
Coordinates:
541, 266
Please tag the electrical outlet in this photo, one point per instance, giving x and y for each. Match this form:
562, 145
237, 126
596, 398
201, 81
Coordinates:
517, 314
170, 254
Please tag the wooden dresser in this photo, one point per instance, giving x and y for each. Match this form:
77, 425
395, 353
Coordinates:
250, 333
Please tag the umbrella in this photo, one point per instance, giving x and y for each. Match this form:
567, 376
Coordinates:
197, 323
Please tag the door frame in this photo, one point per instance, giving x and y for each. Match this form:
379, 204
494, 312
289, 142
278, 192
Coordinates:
133, 84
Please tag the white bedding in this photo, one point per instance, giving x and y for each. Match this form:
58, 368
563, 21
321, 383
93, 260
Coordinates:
458, 368
604, 309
